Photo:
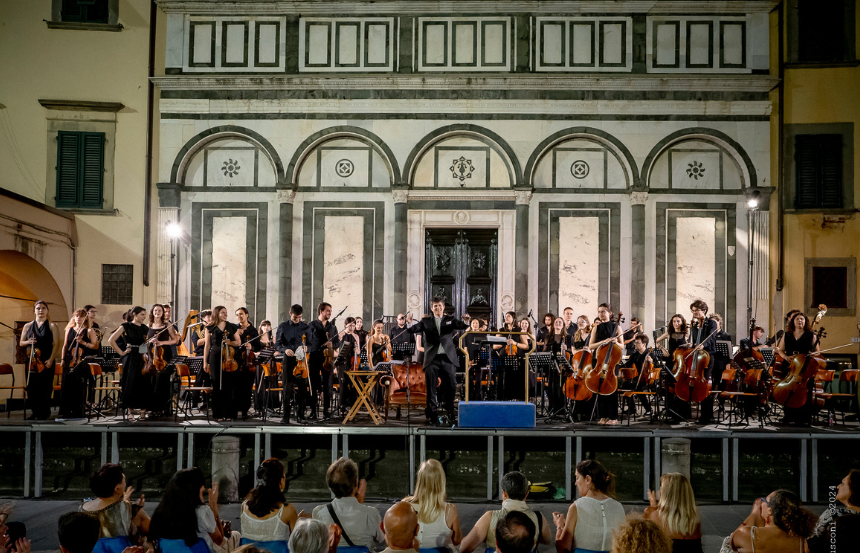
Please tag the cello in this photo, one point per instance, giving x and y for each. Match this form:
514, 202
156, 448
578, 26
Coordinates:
601, 378
691, 384
746, 360
574, 387
791, 390
780, 365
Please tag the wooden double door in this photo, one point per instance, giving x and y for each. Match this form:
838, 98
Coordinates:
461, 267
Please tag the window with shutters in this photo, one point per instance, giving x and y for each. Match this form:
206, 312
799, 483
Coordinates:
85, 11
117, 284
818, 171
80, 169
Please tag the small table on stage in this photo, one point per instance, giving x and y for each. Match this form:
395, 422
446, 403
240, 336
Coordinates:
363, 382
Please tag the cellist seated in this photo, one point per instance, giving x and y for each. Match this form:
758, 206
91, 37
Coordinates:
643, 361
758, 334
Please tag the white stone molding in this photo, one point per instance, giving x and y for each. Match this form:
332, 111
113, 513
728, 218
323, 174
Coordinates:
286, 196
407, 7
400, 196
420, 220
638, 198
165, 215
524, 197
695, 83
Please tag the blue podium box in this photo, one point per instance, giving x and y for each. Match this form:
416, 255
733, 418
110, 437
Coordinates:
496, 414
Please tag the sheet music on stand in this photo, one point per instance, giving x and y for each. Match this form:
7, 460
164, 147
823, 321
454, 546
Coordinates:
264, 356
109, 365
724, 348
542, 360
195, 364
108, 353
406, 349
179, 359
768, 354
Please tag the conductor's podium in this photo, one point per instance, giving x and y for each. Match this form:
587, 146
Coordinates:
496, 414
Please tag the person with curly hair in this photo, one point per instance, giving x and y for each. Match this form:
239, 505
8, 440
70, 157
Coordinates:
777, 523
839, 525
638, 535
266, 515
675, 513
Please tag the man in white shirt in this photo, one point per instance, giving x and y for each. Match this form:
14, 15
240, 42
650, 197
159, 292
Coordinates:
401, 529
359, 524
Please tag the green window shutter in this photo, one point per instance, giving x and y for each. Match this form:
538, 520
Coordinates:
92, 169
831, 171
806, 171
67, 169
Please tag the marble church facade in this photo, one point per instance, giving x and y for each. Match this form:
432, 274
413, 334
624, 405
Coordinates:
307, 148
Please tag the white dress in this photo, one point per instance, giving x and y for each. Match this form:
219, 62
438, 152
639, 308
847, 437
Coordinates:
436, 533
595, 521
271, 528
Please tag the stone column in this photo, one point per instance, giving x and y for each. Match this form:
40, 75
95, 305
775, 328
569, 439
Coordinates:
521, 253
401, 196
675, 456
637, 250
163, 291
285, 258
225, 467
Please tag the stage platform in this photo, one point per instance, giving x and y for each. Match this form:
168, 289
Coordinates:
112, 439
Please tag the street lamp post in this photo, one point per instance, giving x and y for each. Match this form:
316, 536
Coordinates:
174, 232
752, 210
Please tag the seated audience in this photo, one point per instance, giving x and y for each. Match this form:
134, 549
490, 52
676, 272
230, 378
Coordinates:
676, 513
78, 533
359, 524
12, 534
401, 528
777, 523
438, 521
515, 489
591, 518
183, 515
266, 515
515, 533
637, 535
838, 527
112, 505
311, 536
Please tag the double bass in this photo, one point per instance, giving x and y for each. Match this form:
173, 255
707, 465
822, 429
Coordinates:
601, 378
690, 365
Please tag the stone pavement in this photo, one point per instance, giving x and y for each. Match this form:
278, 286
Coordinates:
41, 516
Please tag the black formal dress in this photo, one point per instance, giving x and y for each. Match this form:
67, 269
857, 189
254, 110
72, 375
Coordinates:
242, 392
607, 405
223, 405
77, 378
555, 377
440, 360
792, 346
162, 380
136, 387
41, 384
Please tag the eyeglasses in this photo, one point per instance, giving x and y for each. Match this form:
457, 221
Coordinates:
765, 501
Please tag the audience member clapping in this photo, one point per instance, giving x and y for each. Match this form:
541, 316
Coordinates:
266, 515
777, 523
359, 524
515, 489
112, 505
515, 533
637, 535
311, 536
675, 513
183, 515
591, 518
78, 533
838, 528
438, 521
401, 529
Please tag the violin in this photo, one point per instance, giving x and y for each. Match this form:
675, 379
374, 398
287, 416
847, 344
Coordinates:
574, 387
77, 351
154, 358
35, 363
691, 384
386, 352
791, 390
301, 368
601, 378
228, 360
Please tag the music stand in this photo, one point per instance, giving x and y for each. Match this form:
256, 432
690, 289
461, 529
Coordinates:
768, 354
108, 353
724, 348
406, 349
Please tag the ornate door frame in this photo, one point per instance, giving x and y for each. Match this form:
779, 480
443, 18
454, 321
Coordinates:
420, 219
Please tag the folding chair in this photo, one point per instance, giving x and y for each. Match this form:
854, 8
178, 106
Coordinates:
7, 370
187, 385
108, 392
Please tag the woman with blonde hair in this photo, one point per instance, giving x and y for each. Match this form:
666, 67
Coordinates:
676, 513
438, 521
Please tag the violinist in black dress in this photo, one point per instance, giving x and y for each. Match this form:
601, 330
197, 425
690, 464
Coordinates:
161, 334
220, 335
136, 387
80, 341
250, 336
44, 336
557, 342
798, 338
579, 339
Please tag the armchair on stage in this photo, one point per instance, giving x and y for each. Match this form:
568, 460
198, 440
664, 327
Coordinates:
396, 394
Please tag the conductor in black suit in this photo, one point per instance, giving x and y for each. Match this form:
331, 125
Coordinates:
440, 356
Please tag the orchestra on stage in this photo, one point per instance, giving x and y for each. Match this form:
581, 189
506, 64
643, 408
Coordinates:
594, 369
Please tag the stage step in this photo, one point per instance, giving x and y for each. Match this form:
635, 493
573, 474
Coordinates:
496, 414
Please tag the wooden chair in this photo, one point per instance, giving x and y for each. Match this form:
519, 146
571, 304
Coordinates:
848, 377
649, 391
268, 390
820, 397
186, 384
7, 370
751, 392
108, 392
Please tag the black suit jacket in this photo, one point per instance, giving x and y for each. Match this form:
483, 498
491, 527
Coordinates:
433, 338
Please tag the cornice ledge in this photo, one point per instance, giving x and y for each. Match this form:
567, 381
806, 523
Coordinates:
423, 7
710, 83
82, 105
